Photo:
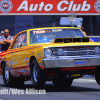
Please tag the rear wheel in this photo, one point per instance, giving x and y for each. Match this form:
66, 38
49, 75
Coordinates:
7, 77
38, 76
62, 82
97, 78
9, 80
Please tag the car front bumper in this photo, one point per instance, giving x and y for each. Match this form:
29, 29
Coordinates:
75, 61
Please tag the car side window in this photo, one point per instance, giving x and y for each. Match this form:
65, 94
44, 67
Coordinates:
21, 40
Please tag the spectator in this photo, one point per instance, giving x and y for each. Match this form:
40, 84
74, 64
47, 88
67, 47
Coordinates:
6, 40
79, 26
2, 32
0, 43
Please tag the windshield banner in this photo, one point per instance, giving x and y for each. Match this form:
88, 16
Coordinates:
49, 7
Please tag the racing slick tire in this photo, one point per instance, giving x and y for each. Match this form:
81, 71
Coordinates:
38, 76
62, 82
9, 80
97, 78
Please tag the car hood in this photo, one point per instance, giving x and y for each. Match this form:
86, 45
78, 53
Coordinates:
71, 44
82, 41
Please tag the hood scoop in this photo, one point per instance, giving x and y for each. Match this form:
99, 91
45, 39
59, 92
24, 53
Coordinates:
72, 40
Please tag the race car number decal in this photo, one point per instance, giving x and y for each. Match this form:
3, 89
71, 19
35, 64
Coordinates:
39, 32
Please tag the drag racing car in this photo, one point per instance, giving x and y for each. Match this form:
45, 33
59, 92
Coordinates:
57, 54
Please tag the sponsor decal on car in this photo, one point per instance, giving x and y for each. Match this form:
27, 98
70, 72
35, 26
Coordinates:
9, 68
40, 64
32, 52
12, 71
38, 53
16, 71
56, 30
10, 63
81, 62
22, 70
38, 57
27, 61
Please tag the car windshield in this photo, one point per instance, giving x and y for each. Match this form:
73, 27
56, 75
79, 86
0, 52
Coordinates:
48, 35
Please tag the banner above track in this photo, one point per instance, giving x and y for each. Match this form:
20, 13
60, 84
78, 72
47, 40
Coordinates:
49, 7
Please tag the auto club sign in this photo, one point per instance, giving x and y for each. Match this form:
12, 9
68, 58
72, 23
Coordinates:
49, 7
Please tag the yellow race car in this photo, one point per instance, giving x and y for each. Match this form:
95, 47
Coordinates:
57, 54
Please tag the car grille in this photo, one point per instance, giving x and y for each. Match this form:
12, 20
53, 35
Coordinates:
75, 51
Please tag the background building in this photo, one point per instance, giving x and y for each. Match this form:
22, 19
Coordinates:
26, 14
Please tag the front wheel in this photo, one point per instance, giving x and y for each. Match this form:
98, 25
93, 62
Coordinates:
38, 76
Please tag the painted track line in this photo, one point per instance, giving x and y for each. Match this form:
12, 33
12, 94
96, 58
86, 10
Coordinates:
85, 80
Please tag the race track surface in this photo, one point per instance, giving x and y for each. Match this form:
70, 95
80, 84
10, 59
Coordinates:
84, 88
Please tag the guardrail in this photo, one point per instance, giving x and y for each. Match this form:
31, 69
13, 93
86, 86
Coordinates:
95, 38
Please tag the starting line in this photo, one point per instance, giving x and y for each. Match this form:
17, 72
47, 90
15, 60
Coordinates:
84, 80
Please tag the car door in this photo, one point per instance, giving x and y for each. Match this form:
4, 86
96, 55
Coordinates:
19, 51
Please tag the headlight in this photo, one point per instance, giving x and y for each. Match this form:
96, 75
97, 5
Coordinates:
47, 52
60, 51
97, 49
